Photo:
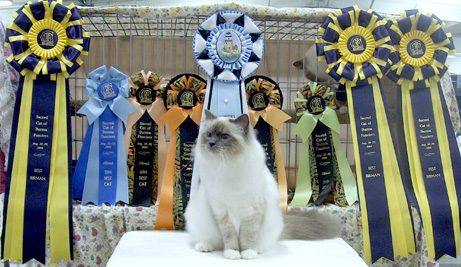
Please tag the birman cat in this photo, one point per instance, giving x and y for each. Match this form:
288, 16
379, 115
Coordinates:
236, 206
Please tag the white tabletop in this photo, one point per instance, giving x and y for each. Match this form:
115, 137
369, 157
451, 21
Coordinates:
153, 248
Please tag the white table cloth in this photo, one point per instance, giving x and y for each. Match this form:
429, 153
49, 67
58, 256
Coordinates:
156, 248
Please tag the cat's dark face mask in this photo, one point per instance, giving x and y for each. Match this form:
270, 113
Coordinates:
224, 138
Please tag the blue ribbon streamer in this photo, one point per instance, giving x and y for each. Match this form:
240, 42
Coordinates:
114, 112
432, 170
38, 169
376, 200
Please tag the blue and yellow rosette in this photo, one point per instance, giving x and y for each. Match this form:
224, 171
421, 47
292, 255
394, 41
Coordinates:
319, 128
184, 98
419, 61
265, 101
46, 40
101, 172
356, 46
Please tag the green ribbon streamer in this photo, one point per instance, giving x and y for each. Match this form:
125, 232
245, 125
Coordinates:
304, 128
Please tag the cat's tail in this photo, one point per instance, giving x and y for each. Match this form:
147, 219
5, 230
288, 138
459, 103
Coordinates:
310, 225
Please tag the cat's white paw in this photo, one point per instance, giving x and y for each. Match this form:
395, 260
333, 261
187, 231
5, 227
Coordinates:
204, 246
249, 254
231, 254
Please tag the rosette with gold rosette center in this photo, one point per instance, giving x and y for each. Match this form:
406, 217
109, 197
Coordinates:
184, 97
419, 61
145, 143
46, 40
356, 46
323, 166
265, 101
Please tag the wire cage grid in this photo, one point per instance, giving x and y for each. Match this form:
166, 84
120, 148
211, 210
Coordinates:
164, 46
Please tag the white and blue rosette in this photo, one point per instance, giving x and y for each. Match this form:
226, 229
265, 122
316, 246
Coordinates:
101, 173
228, 47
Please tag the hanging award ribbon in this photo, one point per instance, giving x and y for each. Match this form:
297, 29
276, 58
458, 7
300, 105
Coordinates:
101, 173
435, 164
322, 153
228, 47
265, 101
145, 144
46, 40
356, 46
184, 100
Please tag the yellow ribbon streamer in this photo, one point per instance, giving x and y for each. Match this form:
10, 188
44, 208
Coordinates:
59, 179
16, 203
399, 215
416, 168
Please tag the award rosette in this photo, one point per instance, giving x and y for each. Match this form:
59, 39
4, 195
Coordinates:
184, 98
145, 143
323, 163
46, 40
421, 48
265, 100
228, 46
356, 46
101, 172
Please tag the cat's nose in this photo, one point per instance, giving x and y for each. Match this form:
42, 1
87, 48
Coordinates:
211, 144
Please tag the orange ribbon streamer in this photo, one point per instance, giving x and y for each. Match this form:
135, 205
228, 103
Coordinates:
173, 118
275, 118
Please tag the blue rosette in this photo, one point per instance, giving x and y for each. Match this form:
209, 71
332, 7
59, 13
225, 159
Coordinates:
356, 46
101, 173
47, 41
419, 61
46, 38
228, 46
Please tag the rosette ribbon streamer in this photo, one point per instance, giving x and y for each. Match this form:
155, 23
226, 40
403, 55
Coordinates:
265, 101
145, 144
101, 173
422, 47
356, 46
184, 101
46, 40
319, 121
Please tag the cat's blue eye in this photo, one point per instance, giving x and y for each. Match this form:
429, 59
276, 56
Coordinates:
225, 136
208, 134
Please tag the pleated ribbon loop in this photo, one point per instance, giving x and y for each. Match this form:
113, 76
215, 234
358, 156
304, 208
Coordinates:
101, 174
419, 61
265, 100
145, 144
184, 100
330, 150
356, 46
46, 40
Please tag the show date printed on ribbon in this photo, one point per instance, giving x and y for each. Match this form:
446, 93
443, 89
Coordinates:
144, 165
427, 140
40, 146
369, 144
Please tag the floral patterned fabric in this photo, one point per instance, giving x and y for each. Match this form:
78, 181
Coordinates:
450, 99
98, 229
9, 79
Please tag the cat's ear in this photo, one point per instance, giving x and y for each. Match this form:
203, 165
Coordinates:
243, 121
298, 64
209, 115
